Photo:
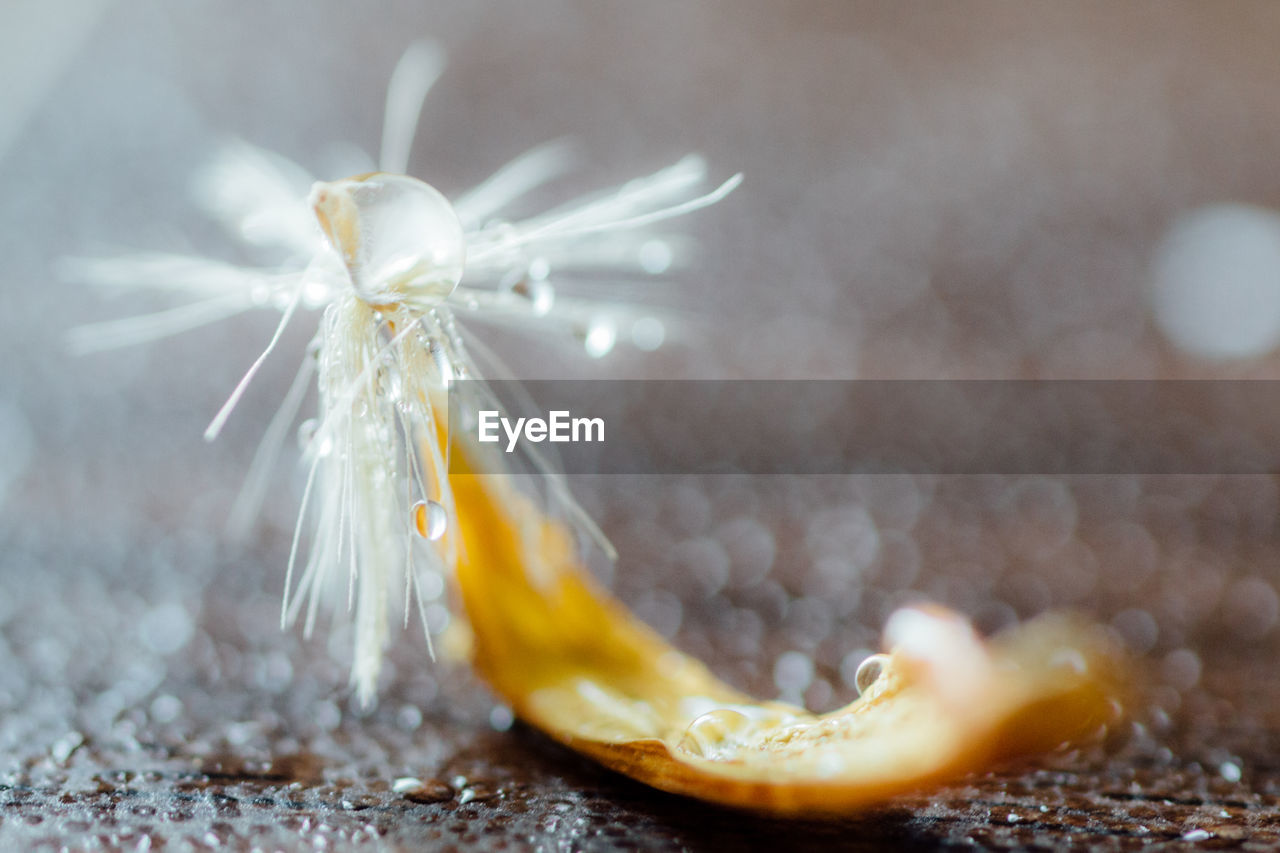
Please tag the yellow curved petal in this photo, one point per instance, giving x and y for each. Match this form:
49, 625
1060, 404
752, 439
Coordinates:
574, 663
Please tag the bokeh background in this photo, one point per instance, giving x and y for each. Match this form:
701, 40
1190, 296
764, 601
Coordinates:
970, 190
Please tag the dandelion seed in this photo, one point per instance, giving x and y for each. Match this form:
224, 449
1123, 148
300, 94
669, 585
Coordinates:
391, 263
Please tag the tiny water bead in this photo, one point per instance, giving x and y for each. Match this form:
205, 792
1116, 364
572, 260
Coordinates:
307, 431
406, 784
869, 672
501, 718
709, 733
429, 519
399, 238
539, 269
598, 336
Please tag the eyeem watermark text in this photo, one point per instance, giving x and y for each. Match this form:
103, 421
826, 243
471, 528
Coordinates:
558, 426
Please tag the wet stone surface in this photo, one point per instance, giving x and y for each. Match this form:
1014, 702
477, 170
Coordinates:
220, 743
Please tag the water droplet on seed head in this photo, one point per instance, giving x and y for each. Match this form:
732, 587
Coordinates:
399, 238
429, 520
599, 336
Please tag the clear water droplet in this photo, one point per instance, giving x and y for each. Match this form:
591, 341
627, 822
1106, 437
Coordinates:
405, 784
398, 237
711, 732
869, 672
429, 519
307, 432
539, 269
599, 337
315, 294
501, 718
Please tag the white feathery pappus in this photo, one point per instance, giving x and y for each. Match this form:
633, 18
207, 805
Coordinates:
392, 265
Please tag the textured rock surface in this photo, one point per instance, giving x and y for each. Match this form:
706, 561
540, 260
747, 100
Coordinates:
954, 194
